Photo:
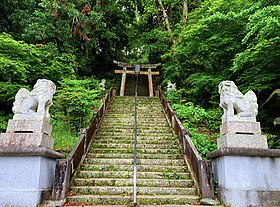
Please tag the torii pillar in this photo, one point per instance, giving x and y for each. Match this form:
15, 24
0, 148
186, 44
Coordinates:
144, 66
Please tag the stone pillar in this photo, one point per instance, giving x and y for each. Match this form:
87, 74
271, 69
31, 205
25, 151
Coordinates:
27, 158
247, 172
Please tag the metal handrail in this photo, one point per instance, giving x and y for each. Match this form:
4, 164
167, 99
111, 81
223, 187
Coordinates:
135, 144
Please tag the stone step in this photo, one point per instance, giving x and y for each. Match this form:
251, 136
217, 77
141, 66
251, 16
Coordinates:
140, 168
139, 151
130, 125
128, 175
128, 190
130, 121
139, 133
170, 205
130, 155
111, 161
143, 137
140, 107
129, 182
100, 199
130, 146
106, 176
167, 199
128, 129
142, 199
129, 140
139, 115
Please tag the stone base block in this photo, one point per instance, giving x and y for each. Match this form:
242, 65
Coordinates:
236, 118
30, 126
25, 181
243, 141
245, 198
26, 140
247, 177
249, 128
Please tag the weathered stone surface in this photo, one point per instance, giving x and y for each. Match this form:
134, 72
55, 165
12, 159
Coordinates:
248, 181
30, 125
244, 152
209, 201
30, 151
26, 140
34, 126
25, 180
237, 106
252, 128
34, 104
242, 141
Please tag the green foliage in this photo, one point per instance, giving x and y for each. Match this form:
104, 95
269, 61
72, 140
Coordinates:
64, 139
202, 143
75, 102
273, 141
190, 115
259, 62
22, 64
202, 124
4, 121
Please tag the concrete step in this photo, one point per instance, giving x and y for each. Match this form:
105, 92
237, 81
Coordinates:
127, 182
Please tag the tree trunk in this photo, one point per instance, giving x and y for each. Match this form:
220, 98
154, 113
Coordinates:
166, 19
185, 12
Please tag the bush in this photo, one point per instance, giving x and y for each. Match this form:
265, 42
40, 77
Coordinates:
203, 124
75, 102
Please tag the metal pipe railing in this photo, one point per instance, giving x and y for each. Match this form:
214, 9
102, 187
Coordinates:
135, 144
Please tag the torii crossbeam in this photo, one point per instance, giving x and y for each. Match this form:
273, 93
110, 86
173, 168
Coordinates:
143, 66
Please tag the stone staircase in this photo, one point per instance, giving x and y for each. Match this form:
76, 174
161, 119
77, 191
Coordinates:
106, 176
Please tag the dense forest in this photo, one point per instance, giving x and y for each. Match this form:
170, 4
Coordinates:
199, 43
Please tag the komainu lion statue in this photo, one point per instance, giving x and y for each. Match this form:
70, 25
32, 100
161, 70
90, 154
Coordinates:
37, 102
234, 103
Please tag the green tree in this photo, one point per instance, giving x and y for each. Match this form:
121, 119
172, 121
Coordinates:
259, 62
75, 102
22, 64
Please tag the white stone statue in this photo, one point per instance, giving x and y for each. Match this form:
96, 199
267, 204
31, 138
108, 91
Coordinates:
102, 84
236, 106
171, 86
34, 104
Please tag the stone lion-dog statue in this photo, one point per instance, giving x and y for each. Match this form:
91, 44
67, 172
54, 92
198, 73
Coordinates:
234, 103
37, 102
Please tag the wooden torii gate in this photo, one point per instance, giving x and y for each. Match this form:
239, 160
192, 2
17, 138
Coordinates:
142, 66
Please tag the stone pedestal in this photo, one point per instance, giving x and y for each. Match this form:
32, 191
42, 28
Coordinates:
27, 133
26, 175
241, 134
247, 177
